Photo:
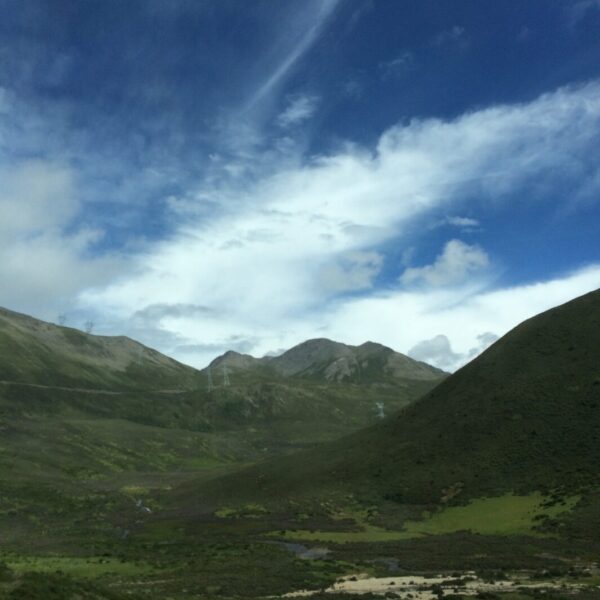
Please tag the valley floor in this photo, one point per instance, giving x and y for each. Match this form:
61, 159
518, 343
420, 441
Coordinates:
127, 537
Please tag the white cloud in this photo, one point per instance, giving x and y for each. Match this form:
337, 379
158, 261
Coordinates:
42, 263
465, 316
262, 256
35, 196
317, 20
47, 271
299, 109
454, 265
465, 222
436, 351
353, 88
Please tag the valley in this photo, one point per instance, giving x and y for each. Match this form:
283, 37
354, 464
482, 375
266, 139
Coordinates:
282, 479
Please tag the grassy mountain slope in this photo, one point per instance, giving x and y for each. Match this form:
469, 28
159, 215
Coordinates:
78, 409
36, 352
94, 431
525, 415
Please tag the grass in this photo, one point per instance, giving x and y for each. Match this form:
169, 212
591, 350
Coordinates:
504, 515
251, 510
89, 567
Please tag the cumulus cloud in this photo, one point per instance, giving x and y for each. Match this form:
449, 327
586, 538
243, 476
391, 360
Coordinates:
299, 109
404, 319
454, 265
437, 351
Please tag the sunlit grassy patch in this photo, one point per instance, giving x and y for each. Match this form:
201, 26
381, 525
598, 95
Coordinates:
502, 515
251, 510
135, 490
90, 567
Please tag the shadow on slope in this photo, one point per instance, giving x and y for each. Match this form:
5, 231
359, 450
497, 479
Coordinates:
523, 416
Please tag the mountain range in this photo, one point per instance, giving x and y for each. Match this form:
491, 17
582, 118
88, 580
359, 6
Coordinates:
54, 379
323, 359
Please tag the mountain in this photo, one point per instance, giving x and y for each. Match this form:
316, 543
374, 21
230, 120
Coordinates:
57, 379
523, 416
326, 360
94, 429
494, 470
36, 352
316, 391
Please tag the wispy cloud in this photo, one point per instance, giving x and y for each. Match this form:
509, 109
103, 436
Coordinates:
578, 10
324, 10
397, 67
462, 221
300, 108
454, 35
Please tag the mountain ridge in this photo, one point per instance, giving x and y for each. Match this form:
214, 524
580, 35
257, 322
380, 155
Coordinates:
35, 351
54, 373
369, 362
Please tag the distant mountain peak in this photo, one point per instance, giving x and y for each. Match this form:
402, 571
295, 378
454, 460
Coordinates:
235, 360
328, 360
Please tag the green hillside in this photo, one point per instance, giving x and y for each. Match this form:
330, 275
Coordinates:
95, 433
36, 352
523, 416
492, 476
85, 415
51, 375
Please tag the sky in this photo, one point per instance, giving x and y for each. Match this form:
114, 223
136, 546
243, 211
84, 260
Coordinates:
206, 175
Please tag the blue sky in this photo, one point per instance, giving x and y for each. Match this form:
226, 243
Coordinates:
206, 175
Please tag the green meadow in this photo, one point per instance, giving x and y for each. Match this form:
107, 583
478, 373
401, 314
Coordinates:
504, 515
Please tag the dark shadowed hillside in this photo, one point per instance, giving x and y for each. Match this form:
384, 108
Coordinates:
525, 415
